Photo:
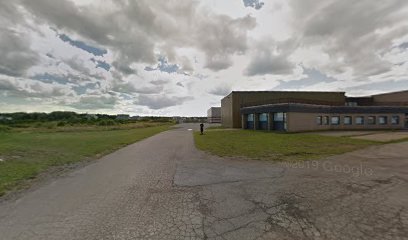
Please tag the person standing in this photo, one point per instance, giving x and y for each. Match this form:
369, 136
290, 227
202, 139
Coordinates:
202, 128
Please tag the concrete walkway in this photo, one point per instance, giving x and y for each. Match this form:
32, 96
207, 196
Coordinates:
378, 136
163, 188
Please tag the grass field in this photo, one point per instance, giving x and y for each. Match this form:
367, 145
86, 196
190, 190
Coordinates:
25, 154
275, 146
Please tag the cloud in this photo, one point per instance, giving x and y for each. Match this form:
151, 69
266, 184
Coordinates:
381, 86
271, 57
124, 67
136, 29
254, 4
83, 88
50, 78
26, 88
82, 45
160, 101
221, 37
164, 66
313, 77
101, 64
95, 102
353, 34
130, 88
222, 90
159, 82
403, 45
80, 67
16, 55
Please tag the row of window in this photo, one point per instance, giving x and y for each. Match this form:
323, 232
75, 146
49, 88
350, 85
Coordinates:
359, 120
263, 117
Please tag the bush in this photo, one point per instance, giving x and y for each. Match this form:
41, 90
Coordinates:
110, 122
4, 128
61, 124
50, 125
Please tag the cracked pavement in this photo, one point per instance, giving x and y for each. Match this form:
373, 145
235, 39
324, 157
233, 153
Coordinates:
163, 188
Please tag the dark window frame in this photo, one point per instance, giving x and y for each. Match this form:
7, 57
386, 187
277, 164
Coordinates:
333, 117
383, 117
362, 122
326, 120
373, 122
396, 122
350, 122
319, 120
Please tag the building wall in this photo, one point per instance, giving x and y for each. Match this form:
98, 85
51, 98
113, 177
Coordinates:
214, 115
394, 98
226, 111
298, 122
214, 112
231, 105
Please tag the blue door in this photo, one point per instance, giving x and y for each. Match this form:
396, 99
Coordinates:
279, 121
250, 121
263, 121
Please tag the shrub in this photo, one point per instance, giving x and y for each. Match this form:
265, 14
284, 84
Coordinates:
61, 124
50, 125
4, 128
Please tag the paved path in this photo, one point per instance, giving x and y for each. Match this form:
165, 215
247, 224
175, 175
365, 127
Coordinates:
162, 188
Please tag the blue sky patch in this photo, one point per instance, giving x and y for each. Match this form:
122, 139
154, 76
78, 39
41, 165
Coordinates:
82, 45
81, 89
101, 64
254, 4
313, 77
164, 66
49, 78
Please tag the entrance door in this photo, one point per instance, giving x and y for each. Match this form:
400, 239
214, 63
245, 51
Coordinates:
250, 121
279, 121
406, 120
263, 121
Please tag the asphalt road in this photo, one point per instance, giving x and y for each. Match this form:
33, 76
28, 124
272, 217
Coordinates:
163, 188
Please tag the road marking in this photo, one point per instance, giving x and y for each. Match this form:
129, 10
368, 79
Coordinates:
189, 129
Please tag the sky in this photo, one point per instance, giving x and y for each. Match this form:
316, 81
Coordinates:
180, 57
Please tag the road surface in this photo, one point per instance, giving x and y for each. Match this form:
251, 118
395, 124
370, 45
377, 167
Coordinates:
163, 188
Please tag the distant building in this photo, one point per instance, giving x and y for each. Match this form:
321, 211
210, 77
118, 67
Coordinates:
311, 111
214, 115
122, 117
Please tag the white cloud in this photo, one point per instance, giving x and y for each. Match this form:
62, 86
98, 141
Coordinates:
211, 48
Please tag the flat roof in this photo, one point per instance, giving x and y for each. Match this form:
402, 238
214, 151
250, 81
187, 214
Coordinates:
337, 92
287, 92
311, 108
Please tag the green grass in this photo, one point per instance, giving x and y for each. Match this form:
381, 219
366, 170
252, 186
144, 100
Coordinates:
25, 154
275, 146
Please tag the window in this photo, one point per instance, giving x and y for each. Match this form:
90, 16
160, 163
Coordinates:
335, 120
360, 120
382, 120
250, 117
278, 117
263, 117
347, 120
325, 120
319, 120
351, 104
371, 120
395, 120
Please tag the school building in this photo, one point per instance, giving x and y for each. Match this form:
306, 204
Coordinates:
297, 111
214, 115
